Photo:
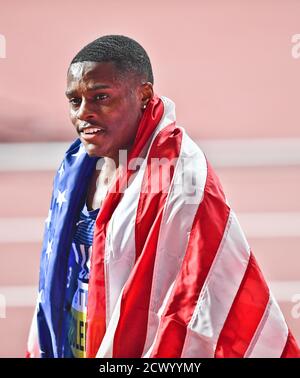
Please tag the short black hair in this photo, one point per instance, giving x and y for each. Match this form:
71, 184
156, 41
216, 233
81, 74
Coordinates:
127, 55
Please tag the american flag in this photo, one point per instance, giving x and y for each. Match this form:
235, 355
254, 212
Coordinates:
172, 274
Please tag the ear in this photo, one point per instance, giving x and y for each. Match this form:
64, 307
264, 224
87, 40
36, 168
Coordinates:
146, 94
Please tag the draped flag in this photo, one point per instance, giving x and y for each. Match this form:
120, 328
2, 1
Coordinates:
172, 274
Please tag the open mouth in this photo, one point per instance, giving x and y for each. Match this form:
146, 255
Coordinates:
92, 131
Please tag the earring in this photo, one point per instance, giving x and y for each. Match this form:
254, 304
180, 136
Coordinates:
144, 106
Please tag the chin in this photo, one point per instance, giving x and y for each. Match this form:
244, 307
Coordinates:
93, 151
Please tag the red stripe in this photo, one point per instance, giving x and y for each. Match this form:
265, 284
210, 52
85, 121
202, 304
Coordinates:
291, 349
205, 238
245, 314
137, 291
96, 314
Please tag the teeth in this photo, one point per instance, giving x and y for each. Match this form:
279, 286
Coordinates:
91, 130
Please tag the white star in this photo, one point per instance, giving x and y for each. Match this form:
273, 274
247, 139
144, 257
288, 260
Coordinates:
49, 248
69, 277
48, 220
61, 169
61, 198
80, 151
40, 295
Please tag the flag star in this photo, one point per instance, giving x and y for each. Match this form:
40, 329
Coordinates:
49, 248
61, 198
69, 277
40, 296
80, 151
61, 169
48, 220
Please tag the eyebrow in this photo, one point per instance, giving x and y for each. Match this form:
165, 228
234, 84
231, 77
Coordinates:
89, 89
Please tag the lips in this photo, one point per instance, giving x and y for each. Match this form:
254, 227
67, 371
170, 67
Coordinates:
89, 133
91, 130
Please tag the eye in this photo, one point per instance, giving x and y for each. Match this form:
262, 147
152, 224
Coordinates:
75, 101
101, 97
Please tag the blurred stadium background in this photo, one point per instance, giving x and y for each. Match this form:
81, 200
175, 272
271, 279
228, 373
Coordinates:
227, 65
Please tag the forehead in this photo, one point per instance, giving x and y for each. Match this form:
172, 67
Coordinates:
90, 73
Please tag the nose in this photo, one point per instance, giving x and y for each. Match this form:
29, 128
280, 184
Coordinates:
85, 111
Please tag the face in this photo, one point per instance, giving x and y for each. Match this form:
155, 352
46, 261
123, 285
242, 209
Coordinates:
105, 107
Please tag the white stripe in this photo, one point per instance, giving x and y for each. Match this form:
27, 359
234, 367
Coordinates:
218, 292
271, 335
255, 225
252, 152
285, 291
270, 225
159, 316
220, 152
21, 230
83, 254
19, 296
31, 156
120, 243
106, 347
75, 253
179, 213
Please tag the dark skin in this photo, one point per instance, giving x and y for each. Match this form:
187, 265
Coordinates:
106, 107
100, 96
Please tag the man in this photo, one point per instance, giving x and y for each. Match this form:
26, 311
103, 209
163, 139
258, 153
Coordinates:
139, 225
